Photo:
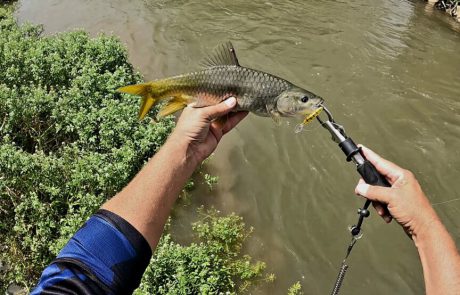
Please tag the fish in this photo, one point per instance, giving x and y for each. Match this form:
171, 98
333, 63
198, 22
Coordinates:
221, 77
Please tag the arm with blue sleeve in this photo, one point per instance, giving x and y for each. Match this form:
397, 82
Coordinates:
109, 254
106, 256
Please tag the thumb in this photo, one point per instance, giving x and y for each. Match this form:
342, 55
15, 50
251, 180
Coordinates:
220, 109
374, 193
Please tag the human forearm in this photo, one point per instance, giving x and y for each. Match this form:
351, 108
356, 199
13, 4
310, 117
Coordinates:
147, 200
440, 259
118, 242
107, 255
410, 207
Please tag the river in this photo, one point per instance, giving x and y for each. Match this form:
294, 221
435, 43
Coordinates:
389, 71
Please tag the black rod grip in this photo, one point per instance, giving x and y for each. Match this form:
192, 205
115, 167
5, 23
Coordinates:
367, 171
370, 174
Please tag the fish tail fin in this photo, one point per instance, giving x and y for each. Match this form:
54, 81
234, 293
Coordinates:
148, 93
147, 103
177, 103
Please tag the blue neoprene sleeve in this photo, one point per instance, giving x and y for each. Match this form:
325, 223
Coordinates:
106, 256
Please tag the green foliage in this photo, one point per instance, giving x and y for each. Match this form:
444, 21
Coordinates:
210, 180
212, 265
7, 2
295, 289
68, 140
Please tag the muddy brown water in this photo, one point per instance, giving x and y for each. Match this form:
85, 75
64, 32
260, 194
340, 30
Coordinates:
389, 71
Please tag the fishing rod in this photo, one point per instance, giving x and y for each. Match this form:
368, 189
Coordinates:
367, 171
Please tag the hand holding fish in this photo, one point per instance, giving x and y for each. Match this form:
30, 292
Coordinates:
255, 91
410, 207
199, 130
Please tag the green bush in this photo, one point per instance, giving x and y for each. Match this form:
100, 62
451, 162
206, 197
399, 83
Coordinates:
213, 265
69, 142
295, 289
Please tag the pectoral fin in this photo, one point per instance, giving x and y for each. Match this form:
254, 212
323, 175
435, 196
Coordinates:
276, 117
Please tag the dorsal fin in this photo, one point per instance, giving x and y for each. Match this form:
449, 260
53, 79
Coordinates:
223, 54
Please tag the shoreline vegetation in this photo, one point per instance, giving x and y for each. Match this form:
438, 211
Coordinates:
450, 7
69, 142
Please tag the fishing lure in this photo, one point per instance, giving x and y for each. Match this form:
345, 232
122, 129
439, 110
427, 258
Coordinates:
308, 119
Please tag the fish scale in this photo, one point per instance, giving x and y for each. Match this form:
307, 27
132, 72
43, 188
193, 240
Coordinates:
212, 85
255, 91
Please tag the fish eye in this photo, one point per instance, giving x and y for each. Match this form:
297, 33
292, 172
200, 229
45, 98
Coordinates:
304, 99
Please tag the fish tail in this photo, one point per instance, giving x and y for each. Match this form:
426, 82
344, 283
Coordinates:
149, 97
154, 92
151, 94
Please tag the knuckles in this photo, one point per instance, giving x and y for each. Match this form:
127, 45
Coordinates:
408, 175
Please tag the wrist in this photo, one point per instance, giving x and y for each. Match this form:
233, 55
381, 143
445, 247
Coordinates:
427, 230
182, 149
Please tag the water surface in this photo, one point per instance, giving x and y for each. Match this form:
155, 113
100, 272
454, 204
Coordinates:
389, 71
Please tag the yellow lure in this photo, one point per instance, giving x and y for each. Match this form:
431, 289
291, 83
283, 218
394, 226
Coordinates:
308, 119
313, 115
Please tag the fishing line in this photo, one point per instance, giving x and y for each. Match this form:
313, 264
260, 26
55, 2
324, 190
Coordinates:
445, 202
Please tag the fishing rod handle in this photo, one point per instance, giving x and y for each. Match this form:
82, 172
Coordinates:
366, 169
370, 174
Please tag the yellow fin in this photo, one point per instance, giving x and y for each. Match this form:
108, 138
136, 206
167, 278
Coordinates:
145, 90
176, 104
138, 89
147, 102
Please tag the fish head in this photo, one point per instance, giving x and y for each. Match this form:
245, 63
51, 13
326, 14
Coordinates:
297, 102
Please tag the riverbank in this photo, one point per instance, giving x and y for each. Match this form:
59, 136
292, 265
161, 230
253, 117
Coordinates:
450, 7
70, 142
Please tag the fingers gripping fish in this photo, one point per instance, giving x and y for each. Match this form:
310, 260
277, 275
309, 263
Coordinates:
255, 91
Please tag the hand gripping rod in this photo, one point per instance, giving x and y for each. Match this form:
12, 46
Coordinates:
353, 153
